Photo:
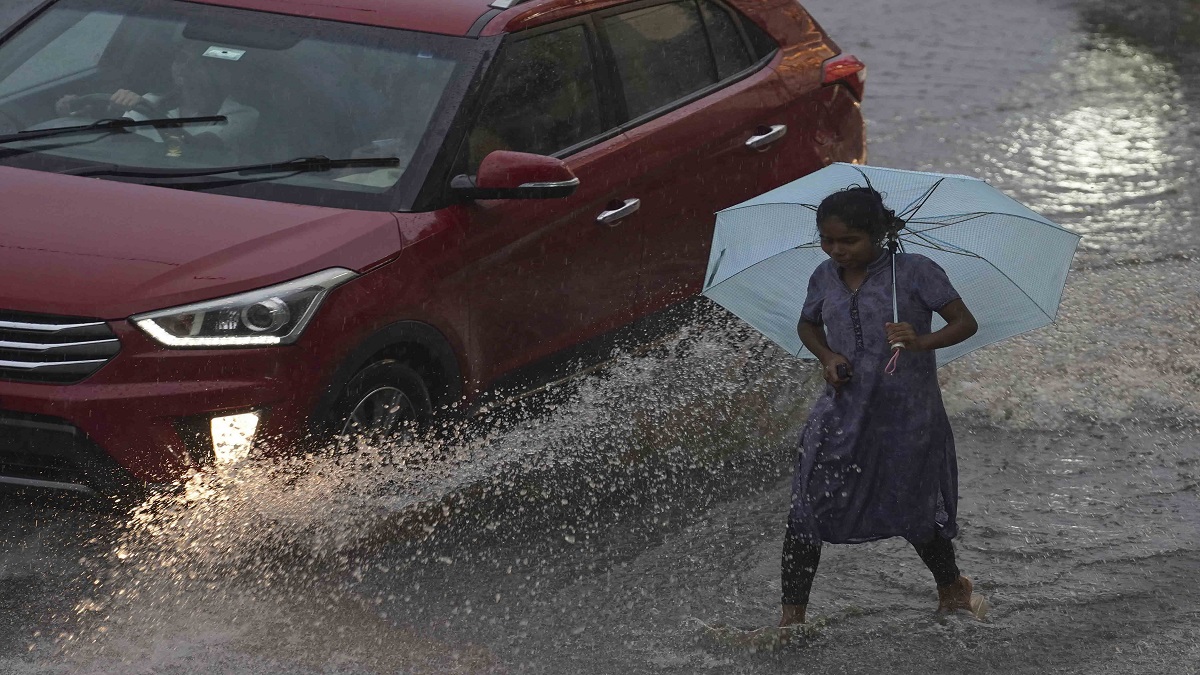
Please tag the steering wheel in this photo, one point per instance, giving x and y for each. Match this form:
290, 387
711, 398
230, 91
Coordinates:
86, 102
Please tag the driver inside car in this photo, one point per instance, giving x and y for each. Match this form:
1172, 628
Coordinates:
196, 90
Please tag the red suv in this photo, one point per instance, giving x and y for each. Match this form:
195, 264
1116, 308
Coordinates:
229, 222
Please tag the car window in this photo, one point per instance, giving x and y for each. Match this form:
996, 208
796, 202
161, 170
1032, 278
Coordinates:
662, 54
77, 49
762, 43
543, 99
287, 86
728, 48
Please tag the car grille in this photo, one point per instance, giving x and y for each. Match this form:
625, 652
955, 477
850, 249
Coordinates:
53, 349
51, 450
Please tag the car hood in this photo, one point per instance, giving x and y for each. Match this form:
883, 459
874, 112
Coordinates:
98, 248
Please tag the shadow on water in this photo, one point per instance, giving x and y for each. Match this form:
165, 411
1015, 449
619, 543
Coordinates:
1170, 27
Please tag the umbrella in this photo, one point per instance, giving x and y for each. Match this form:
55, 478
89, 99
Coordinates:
1008, 263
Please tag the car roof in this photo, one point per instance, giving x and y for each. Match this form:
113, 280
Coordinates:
451, 17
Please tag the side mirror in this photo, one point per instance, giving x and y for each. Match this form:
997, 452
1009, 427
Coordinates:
504, 174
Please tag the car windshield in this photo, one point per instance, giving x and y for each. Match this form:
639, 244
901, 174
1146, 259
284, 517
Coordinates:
274, 88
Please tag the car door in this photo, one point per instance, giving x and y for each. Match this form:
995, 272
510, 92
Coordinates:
702, 110
546, 274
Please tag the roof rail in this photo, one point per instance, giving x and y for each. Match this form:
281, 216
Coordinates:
504, 4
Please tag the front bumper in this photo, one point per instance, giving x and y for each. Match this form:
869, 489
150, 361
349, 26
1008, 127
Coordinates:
143, 417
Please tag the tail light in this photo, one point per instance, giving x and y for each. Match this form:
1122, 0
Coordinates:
845, 69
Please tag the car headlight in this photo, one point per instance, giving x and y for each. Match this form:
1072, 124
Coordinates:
270, 316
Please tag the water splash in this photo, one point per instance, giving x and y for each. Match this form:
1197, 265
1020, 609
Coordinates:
245, 540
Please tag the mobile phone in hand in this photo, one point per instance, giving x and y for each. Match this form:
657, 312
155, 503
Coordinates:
843, 371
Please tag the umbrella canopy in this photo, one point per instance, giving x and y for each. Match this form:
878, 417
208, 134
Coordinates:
1008, 263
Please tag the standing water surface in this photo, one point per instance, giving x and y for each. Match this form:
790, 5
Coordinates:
596, 533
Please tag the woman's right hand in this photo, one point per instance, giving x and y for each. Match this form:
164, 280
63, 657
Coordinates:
831, 366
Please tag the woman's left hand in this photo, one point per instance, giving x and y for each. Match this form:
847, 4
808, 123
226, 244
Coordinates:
902, 333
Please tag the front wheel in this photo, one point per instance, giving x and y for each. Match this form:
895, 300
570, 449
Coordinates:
385, 401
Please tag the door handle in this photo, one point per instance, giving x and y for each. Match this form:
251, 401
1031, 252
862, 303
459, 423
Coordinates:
767, 136
611, 216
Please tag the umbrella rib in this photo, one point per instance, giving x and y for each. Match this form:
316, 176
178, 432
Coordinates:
922, 199
1004, 214
938, 247
958, 219
929, 193
811, 207
938, 244
968, 216
716, 266
747, 268
993, 266
739, 207
916, 205
980, 214
928, 243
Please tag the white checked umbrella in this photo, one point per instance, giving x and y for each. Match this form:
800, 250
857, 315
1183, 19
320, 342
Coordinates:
1008, 262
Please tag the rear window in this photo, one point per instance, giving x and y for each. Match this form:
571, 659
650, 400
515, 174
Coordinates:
729, 50
667, 52
662, 54
762, 44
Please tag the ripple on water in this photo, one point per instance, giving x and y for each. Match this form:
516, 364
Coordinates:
1125, 347
1109, 153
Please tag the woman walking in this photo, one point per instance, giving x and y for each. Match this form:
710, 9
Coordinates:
877, 454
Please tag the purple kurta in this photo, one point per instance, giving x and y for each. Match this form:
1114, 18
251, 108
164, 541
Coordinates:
877, 459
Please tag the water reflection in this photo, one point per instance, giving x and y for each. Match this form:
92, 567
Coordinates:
1115, 158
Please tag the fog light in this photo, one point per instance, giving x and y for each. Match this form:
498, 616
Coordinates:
232, 436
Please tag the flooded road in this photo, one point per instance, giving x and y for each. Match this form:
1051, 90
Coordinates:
600, 530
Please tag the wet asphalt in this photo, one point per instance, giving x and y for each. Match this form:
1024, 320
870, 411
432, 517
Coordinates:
600, 530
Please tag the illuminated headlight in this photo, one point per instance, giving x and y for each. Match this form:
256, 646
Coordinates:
232, 436
270, 316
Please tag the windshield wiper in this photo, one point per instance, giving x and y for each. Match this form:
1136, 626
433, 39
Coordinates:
294, 166
117, 124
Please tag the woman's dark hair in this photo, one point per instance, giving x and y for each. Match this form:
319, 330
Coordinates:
861, 208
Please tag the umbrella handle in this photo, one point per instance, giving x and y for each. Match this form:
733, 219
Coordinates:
890, 368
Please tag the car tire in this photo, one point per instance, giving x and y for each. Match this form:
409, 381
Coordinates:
386, 400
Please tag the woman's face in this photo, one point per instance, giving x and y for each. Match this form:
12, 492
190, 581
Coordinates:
849, 247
